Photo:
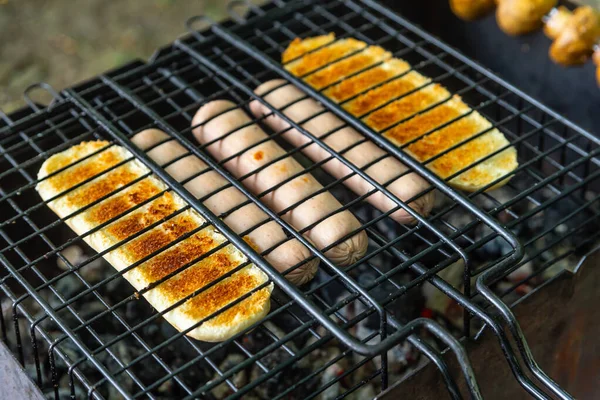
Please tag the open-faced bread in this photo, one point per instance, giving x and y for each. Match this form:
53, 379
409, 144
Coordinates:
106, 173
407, 108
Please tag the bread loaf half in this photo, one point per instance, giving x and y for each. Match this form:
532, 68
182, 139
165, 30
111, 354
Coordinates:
374, 87
103, 179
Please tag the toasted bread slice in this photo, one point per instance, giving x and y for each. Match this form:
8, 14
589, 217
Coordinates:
406, 106
299, 47
114, 167
377, 75
373, 101
326, 55
347, 66
457, 123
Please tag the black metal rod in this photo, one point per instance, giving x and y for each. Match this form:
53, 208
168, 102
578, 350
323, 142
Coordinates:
275, 276
239, 43
508, 261
196, 96
125, 93
496, 271
344, 22
63, 326
424, 348
236, 41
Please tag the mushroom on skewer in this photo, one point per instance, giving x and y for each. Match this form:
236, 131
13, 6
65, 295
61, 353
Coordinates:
470, 10
518, 17
574, 33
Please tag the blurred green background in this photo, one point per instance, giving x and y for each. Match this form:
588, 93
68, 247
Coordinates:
63, 42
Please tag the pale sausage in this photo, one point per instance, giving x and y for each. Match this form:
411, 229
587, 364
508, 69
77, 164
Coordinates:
388, 171
229, 131
285, 256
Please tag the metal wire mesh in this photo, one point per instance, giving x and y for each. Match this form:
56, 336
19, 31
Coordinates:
122, 347
84, 130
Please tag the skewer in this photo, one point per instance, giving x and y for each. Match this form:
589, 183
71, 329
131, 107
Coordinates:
575, 34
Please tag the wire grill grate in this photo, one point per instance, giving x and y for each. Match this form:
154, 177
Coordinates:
366, 307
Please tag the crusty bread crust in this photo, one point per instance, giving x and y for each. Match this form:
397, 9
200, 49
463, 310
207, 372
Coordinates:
428, 110
193, 278
300, 46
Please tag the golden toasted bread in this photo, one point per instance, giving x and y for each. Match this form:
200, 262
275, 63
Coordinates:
377, 75
348, 66
404, 105
106, 180
322, 56
300, 47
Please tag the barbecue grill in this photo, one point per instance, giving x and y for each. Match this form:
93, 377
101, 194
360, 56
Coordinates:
421, 293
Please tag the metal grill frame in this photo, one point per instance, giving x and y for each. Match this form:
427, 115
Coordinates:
74, 97
120, 138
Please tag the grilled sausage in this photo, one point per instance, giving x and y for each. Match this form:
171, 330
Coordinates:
405, 187
230, 132
290, 253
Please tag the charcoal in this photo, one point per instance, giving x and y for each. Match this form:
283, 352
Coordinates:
330, 378
238, 380
67, 286
285, 378
293, 363
73, 254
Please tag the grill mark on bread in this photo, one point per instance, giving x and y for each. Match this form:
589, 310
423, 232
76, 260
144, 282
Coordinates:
244, 308
379, 96
102, 186
298, 47
469, 154
138, 220
161, 236
173, 258
422, 123
220, 295
198, 275
324, 56
352, 86
347, 67
442, 139
480, 175
59, 161
398, 110
120, 203
83, 171
463, 156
